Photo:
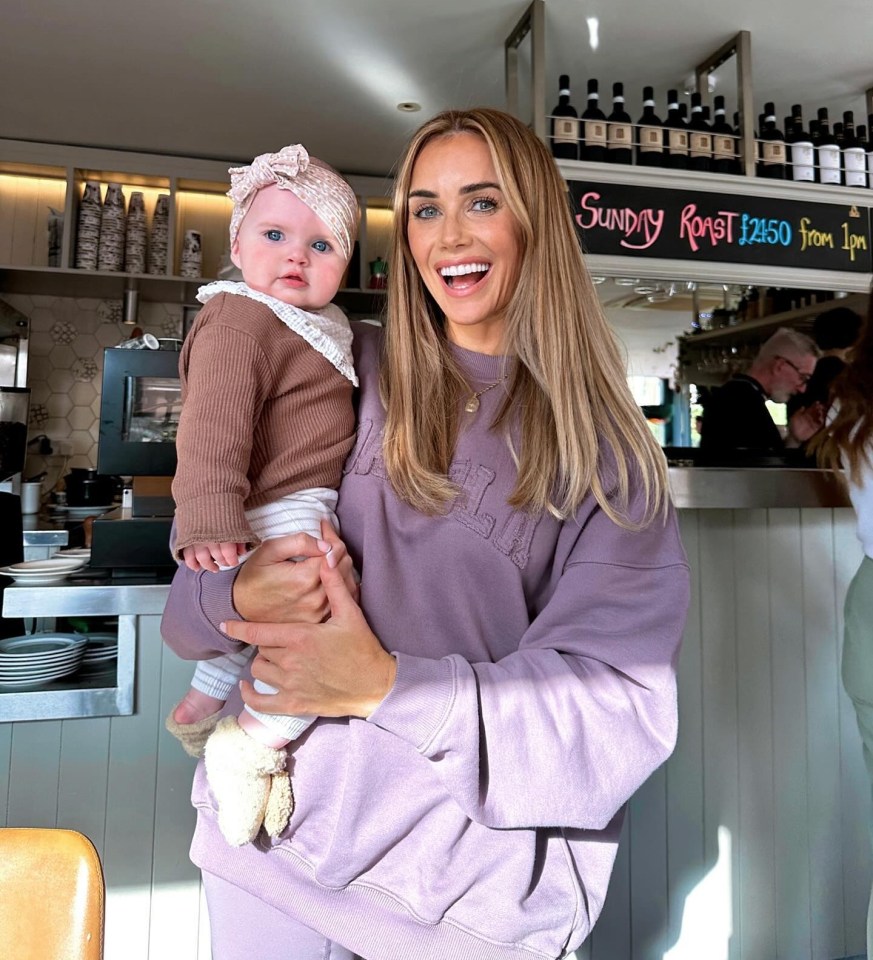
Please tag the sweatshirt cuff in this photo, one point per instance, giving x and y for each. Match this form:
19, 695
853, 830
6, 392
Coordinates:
417, 705
216, 599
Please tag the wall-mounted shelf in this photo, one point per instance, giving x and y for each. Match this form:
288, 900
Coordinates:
761, 327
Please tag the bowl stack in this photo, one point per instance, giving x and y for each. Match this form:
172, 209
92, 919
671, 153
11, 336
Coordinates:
135, 241
160, 235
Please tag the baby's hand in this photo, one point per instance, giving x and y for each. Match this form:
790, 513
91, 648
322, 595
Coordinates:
208, 556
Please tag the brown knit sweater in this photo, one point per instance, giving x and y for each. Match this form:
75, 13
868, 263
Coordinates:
263, 415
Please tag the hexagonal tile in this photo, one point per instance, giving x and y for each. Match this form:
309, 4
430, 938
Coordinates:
81, 418
41, 342
94, 430
87, 304
62, 357
82, 442
86, 322
60, 380
110, 311
39, 300
59, 405
57, 428
82, 393
38, 415
42, 319
39, 391
81, 460
63, 332
38, 369
108, 335
85, 369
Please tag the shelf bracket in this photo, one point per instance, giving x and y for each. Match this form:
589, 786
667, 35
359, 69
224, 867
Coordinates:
532, 22
741, 47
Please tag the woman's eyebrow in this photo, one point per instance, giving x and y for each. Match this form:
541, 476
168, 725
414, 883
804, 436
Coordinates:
469, 188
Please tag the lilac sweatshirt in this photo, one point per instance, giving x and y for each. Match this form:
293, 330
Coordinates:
475, 815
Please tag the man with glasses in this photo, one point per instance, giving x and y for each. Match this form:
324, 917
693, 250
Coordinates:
735, 416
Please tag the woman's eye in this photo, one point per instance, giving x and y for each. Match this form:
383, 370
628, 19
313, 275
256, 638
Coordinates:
426, 212
484, 204
273, 235
322, 246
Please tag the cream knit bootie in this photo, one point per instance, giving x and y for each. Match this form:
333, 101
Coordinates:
192, 736
243, 775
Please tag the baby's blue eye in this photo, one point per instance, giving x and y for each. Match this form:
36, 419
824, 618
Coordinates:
273, 235
322, 246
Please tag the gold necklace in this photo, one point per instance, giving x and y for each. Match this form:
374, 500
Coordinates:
472, 405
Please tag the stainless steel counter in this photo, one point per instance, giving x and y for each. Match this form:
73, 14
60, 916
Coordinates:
81, 695
750, 488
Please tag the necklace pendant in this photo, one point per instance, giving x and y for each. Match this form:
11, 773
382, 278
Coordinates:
472, 405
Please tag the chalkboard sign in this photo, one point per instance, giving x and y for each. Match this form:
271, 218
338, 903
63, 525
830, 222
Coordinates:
621, 220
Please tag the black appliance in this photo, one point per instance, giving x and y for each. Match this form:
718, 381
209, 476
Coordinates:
139, 416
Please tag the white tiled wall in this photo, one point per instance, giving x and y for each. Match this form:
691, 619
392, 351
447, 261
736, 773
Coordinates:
65, 371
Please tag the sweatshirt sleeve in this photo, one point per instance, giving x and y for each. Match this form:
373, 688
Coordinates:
198, 603
227, 382
565, 729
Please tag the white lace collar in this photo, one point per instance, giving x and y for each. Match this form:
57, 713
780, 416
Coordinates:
327, 331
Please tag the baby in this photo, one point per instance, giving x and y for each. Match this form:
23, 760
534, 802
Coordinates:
267, 421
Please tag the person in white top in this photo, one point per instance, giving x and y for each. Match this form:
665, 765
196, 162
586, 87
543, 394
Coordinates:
847, 441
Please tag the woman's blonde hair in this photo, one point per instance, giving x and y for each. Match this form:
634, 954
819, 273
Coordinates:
847, 440
580, 427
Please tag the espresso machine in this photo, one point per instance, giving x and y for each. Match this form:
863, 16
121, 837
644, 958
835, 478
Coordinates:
14, 409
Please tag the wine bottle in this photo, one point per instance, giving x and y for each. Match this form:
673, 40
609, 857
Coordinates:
801, 149
619, 127
815, 136
675, 134
650, 133
564, 135
699, 137
828, 151
773, 146
788, 130
724, 142
854, 156
870, 151
592, 146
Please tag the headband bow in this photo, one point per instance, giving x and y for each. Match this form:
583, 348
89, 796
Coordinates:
320, 187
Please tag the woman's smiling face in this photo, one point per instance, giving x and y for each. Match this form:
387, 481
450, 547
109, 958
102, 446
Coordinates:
464, 239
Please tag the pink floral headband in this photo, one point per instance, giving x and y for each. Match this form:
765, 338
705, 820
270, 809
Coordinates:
319, 186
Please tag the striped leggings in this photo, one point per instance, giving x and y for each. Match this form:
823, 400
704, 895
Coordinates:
300, 512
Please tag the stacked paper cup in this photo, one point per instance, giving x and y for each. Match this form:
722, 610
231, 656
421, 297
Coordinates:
192, 255
159, 235
135, 243
88, 227
110, 255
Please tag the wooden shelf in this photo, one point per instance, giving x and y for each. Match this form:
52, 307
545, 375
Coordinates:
761, 327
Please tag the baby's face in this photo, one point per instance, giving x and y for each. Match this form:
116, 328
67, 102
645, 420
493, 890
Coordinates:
287, 252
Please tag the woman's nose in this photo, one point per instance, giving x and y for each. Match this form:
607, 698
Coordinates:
454, 231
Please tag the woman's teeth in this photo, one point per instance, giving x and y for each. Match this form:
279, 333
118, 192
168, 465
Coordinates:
463, 270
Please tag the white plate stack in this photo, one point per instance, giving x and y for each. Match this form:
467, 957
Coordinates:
101, 648
36, 573
40, 658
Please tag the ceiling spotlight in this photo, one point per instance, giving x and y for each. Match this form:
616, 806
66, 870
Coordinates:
626, 281
645, 286
597, 280
409, 106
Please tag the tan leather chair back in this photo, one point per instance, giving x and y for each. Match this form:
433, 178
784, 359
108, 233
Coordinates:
51, 895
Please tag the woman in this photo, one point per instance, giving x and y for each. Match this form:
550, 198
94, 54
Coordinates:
847, 441
508, 680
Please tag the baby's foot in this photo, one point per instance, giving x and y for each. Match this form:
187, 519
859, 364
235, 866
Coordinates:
196, 706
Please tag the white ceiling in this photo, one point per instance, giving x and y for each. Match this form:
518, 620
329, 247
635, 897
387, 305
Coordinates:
229, 79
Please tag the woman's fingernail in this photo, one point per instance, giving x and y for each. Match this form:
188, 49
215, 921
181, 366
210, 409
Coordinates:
324, 546
222, 627
331, 559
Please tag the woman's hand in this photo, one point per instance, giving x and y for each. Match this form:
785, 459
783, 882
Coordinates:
270, 587
332, 669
